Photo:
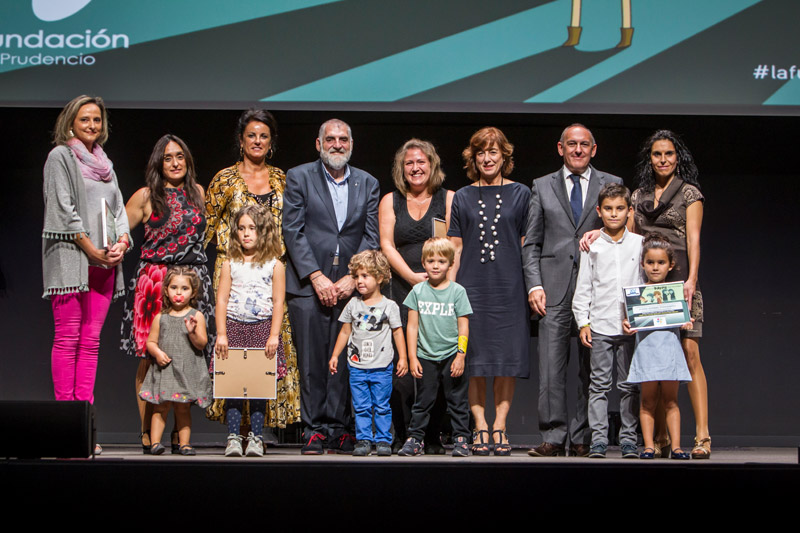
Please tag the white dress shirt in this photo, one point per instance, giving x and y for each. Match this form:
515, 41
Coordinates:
605, 269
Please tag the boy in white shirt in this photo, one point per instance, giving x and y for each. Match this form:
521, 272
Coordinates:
612, 262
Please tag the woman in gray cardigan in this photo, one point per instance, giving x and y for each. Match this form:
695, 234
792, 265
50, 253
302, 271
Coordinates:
82, 272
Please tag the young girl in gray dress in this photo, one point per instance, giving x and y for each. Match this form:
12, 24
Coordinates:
176, 343
658, 362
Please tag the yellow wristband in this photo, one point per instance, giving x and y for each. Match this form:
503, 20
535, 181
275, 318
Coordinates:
462, 344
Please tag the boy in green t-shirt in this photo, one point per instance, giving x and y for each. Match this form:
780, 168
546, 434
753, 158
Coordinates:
438, 327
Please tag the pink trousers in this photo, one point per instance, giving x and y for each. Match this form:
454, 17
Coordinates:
79, 318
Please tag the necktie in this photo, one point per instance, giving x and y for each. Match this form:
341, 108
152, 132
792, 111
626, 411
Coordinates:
576, 198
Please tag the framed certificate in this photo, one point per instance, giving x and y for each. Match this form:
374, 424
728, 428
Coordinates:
439, 228
245, 374
108, 223
658, 306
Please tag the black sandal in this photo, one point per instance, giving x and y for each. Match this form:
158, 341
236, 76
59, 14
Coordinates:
175, 442
480, 445
145, 447
500, 448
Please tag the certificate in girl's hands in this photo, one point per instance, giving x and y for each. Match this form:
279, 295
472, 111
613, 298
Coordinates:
659, 306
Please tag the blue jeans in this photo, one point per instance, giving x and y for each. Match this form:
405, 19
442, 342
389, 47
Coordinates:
371, 389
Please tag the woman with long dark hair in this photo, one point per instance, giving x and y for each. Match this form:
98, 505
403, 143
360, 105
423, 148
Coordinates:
668, 200
170, 206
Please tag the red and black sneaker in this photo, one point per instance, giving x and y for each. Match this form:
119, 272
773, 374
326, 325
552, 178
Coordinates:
314, 445
344, 443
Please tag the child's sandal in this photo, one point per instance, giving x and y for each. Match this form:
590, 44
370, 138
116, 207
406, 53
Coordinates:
186, 449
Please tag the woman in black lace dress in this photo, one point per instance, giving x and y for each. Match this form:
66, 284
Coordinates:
406, 222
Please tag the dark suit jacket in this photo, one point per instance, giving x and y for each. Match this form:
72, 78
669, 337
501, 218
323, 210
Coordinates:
552, 236
309, 224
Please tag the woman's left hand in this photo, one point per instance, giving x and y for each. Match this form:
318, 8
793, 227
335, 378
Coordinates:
272, 346
116, 253
689, 288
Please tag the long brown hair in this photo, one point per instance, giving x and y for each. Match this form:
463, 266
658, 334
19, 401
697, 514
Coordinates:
268, 244
154, 177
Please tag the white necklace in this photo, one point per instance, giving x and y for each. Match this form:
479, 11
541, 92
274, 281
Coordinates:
490, 243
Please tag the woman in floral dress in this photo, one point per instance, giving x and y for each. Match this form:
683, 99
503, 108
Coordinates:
171, 208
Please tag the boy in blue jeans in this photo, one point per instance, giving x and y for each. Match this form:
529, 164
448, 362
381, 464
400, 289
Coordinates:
369, 321
438, 327
611, 263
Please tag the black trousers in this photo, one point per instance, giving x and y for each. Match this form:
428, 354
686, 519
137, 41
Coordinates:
324, 398
455, 394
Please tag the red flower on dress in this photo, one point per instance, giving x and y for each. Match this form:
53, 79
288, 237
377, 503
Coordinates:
182, 240
196, 219
172, 247
146, 303
161, 251
190, 230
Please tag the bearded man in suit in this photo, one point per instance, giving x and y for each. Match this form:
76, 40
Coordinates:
330, 213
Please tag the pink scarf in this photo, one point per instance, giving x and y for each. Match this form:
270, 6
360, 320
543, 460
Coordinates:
94, 166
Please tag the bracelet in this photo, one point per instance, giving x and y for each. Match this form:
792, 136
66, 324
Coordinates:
315, 277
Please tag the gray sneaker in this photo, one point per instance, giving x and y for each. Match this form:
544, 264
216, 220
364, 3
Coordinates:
597, 451
411, 448
234, 447
629, 451
255, 446
384, 449
362, 449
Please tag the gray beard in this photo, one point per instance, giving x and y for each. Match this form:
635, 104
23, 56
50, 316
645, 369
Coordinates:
336, 161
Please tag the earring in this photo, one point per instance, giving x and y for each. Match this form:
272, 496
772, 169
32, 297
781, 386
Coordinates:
241, 153
71, 133
270, 153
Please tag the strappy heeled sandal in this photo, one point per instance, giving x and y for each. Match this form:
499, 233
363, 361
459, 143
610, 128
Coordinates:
500, 448
480, 442
702, 448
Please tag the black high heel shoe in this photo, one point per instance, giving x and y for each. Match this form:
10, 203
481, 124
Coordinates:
175, 442
146, 448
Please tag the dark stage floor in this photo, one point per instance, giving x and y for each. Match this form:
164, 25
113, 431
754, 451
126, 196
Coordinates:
319, 486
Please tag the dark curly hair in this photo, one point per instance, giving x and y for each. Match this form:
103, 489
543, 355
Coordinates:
685, 169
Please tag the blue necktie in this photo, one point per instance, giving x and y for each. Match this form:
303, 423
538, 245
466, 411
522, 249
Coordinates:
576, 198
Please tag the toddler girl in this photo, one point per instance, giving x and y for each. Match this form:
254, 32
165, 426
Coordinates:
176, 342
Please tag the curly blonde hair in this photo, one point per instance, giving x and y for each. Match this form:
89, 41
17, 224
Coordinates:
374, 262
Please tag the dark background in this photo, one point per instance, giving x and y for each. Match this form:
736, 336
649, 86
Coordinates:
748, 173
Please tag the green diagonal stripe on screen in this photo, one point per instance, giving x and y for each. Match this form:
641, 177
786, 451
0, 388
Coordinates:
442, 61
657, 28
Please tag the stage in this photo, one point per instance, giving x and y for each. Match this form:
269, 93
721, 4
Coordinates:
308, 486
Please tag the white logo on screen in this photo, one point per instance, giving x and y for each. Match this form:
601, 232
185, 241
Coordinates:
52, 10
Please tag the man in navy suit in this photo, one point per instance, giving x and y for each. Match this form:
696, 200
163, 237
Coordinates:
561, 210
330, 213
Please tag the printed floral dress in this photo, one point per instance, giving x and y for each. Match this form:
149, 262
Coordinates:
174, 239
226, 194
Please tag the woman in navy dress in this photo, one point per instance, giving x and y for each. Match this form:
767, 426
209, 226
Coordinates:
487, 225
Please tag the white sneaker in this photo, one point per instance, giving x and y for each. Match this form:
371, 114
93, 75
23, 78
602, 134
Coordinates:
255, 447
234, 448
